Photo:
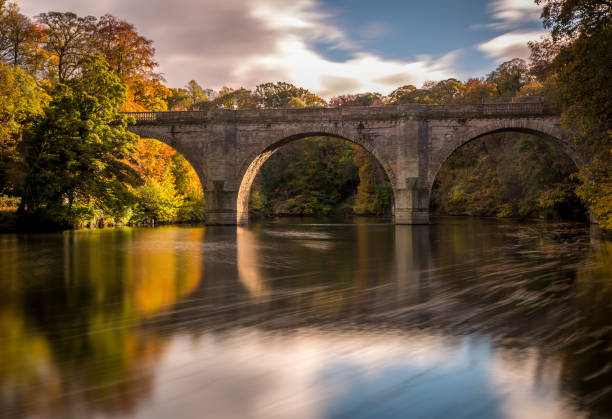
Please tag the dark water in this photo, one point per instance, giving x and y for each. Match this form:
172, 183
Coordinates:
462, 319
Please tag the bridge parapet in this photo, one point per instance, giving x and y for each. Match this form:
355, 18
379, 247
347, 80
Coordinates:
356, 113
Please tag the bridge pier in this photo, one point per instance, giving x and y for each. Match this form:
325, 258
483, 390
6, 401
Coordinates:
411, 216
221, 205
222, 217
412, 202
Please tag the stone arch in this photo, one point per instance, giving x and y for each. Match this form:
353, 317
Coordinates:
252, 164
162, 137
556, 136
168, 139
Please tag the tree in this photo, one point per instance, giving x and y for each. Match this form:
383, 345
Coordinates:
128, 54
444, 92
171, 189
21, 104
374, 193
146, 95
18, 36
509, 77
571, 17
576, 61
478, 91
77, 157
360, 99
398, 94
68, 38
410, 94
178, 100
195, 93
279, 95
229, 98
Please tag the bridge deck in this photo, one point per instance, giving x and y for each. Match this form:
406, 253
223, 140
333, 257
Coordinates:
392, 112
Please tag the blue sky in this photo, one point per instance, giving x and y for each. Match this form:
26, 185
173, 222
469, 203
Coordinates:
328, 46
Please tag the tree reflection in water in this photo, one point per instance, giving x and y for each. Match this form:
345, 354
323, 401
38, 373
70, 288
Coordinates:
308, 320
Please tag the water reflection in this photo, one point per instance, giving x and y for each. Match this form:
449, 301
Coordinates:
70, 312
465, 317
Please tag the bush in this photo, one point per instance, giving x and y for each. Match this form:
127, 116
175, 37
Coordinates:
156, 203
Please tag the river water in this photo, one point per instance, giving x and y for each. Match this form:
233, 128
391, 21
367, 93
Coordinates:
465, 318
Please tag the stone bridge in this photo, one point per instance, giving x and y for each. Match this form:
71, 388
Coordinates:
226, 148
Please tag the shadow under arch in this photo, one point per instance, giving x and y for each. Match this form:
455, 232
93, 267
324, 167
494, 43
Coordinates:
255, 161
559, 144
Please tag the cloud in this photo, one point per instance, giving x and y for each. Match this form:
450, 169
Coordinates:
511, 14
240, 43
515, 11
510, 45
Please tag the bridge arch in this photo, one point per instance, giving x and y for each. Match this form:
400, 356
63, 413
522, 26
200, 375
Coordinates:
555, 137
552, 135
251, 165
191, 205
188, 154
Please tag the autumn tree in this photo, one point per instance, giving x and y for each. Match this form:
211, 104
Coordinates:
360, 99
509, 77
68, 38
229, 98
478, 91
128, 54
18, 36
21, 104
280, 94
576, 59
178, 99
77, 157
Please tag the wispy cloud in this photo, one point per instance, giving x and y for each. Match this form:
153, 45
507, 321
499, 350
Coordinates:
518, 18
511, 14
510, 45
239, 43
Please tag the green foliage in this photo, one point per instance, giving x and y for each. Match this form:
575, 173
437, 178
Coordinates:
156, 203
307, 177
195, 93
506, 176
321, 176
172, 190
575, 61
510, 77
569, 17
235, 99
76, 156
21, 104
361, 99
374, 193
281, 94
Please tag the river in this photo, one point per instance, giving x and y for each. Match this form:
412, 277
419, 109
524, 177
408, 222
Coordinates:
465, 318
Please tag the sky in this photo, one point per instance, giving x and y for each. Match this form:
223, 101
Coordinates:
330, 47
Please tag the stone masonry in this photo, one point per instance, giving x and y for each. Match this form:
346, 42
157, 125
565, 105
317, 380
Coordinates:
226, 148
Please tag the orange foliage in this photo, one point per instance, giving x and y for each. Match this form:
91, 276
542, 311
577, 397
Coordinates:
153, 159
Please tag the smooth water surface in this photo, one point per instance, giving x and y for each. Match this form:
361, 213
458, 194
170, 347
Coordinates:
461, 319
